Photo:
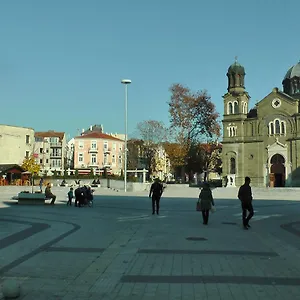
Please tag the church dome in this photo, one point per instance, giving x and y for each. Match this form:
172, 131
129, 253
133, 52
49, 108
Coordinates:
236, 68
294, 71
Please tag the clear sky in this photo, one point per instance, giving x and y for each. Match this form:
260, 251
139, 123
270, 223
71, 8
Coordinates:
61, 61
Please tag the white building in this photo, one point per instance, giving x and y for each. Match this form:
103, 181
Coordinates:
50, 150
16, 143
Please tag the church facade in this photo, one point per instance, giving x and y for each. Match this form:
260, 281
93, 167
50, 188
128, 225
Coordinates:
263, 142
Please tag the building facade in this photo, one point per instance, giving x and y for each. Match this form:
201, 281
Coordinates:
263, 142
97, 150
50, 151
16, 143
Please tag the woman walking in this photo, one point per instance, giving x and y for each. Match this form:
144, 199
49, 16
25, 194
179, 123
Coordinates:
206, 202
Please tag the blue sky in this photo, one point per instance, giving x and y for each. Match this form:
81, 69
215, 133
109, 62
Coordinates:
61, 61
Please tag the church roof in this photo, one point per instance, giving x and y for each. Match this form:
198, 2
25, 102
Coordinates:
293, 71
236, 68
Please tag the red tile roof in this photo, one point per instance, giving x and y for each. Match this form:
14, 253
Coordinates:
43, 134
97, 135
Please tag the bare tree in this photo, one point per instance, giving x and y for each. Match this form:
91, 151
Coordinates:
153, 134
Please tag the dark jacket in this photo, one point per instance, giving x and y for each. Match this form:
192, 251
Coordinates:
156, 190
245, 194
206, 199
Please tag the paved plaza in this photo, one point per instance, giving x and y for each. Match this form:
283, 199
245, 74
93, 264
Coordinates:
118, 250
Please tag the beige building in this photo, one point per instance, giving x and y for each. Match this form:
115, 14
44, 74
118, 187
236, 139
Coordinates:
97, 150
50, 149
16, 143
263, 142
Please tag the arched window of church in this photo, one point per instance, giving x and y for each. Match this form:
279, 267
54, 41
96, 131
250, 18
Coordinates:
232, 165
283, 127
236, 108
230, 108
271, 128
277, 127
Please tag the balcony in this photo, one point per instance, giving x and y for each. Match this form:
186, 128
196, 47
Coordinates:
93, 150
93, 164
106, 150
56, 145
55, 155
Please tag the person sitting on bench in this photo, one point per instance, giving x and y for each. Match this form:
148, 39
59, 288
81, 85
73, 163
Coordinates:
49, 194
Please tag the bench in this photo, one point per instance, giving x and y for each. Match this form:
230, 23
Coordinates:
32, 198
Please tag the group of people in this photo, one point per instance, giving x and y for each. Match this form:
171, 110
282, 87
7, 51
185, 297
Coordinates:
206, 200
83, 195
244, 195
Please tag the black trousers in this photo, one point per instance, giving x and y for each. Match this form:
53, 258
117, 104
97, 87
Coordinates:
247, 207
155, 203
69, 201
205, 216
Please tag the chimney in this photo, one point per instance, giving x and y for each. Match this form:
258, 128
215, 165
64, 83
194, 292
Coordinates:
101, 126
91, 128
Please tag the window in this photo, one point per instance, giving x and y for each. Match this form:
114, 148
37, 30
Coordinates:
94, 145
55, 163
236, 107
56, 152
80, 145
47, 161
47, 151
232, 130
114, 147
105, 160
113, 159
233, 107
232, 165
120, 147
41, 161
41, 150
54, 140
277, 127
120, 160
94, 158
80, 157
230, 108
27, 139
27, 153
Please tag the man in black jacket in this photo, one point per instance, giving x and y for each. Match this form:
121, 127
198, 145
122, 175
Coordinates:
245, 195
156, 191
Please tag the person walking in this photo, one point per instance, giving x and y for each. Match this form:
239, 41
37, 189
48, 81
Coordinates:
156, 191
41, 183
49, 194
206, 202
245, 196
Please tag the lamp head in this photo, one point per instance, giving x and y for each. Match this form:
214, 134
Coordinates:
126, 81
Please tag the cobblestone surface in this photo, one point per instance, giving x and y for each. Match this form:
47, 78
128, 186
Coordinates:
117, 250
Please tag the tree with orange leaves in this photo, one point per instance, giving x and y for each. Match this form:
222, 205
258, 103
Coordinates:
194, 118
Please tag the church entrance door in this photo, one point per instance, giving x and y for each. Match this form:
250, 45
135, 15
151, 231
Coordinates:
278, 169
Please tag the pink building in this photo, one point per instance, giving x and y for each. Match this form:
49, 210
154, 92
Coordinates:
98, 150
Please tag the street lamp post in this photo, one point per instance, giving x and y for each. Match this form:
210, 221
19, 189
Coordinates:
126, 82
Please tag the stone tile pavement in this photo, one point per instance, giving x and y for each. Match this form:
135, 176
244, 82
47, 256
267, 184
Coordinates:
113, 251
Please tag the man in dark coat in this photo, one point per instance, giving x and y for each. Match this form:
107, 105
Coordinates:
79, 197
156, 191
245, 195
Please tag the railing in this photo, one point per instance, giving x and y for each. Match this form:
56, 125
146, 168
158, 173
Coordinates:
57, 144
93, 164
93, 149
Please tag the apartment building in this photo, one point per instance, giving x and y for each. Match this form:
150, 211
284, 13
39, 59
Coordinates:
16, 143
97, 150
50, 150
